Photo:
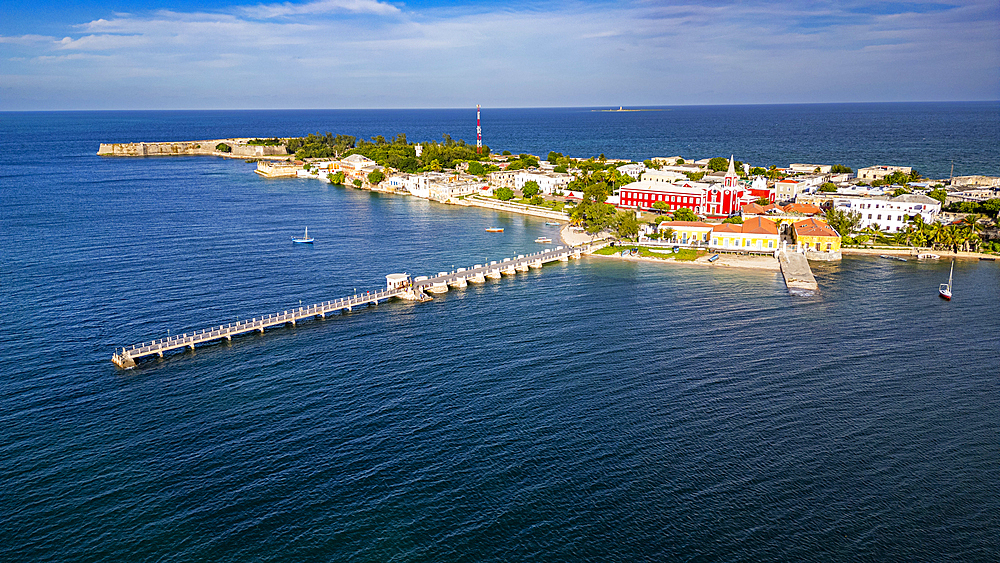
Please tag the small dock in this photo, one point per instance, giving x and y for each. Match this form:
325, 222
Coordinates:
795, 268
397, 285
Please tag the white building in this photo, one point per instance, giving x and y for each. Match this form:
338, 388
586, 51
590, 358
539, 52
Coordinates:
879, 172
811, 168
667, 176
548, 182
890, 214
634, 170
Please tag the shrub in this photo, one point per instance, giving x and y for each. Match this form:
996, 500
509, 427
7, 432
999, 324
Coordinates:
223, 147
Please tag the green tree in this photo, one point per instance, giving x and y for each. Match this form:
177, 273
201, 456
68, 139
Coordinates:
476, 168
685, 214
661, 206
375, 176
938, 194
530, 189
357, 183
900, 191
679, 161
668, 234
223, 147
626, 224
736, 220
718, 164
560, 169
694, 176
840, 169
537, 200
504, 194
842, 221
828, 187
336, 178
762, 201
554, 157
758, 171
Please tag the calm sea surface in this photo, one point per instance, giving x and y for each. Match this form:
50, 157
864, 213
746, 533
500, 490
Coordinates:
594, 410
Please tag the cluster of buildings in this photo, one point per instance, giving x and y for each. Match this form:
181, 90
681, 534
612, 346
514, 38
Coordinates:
762, 231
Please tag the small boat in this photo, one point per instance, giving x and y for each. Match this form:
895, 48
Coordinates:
713, 258
543, 240
944, 290
551, 223
988, 258
927, 256
304, 239
494, 230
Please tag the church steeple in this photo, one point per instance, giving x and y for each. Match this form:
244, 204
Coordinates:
731, 180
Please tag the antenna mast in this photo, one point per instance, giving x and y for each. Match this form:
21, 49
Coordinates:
479, 133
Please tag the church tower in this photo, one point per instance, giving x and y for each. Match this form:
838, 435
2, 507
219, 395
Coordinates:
732, 180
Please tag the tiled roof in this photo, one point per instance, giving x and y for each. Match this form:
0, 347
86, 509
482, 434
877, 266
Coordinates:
666, 224
760, 226
727, 228
813, 227
803, 208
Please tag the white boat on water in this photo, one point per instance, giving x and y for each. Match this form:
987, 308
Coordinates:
944, 290
543, 240
927, 256
304, 239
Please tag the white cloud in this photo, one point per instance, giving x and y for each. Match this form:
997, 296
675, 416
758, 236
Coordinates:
347, 53
285, 9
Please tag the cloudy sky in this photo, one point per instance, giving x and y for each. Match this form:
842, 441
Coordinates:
423, 54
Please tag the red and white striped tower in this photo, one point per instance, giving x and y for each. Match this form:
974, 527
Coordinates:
479, 133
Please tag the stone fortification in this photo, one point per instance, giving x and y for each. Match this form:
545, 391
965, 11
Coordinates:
240, 149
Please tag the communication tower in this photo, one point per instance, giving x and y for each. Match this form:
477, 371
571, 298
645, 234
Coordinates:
479, 133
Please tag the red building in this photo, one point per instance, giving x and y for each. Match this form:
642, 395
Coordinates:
718, 200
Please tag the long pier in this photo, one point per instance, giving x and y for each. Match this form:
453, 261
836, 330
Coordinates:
397, 285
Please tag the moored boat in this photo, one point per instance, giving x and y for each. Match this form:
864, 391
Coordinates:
494, 230
543, 240
944, 290
927, 256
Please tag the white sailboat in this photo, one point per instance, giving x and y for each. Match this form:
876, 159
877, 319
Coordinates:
304, 239
944, 290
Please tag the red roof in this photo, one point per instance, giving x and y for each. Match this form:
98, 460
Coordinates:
685, 224
752, 209
813, 227
727, 228
760, 226
803, 208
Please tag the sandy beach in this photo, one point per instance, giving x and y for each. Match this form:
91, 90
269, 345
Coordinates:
724, 261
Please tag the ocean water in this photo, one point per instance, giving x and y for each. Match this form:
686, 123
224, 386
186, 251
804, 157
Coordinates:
593, 410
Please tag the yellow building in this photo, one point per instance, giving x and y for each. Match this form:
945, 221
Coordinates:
813, 234
688, 232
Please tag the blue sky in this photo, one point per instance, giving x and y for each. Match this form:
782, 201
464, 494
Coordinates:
380, 54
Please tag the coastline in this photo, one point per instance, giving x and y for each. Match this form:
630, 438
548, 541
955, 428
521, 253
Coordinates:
913, 251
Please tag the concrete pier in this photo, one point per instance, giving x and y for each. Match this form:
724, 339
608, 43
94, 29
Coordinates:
397, 286
795, 268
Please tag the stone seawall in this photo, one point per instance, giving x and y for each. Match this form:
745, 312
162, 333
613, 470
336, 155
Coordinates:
240, 149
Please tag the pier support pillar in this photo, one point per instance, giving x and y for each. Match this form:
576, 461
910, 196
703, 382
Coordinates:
160, 353
229, 337
191, 346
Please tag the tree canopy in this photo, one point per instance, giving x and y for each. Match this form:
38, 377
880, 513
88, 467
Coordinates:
504, 194
530, 189
718, 164
685, 214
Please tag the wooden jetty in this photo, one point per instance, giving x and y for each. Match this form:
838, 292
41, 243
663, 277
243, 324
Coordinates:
397, 285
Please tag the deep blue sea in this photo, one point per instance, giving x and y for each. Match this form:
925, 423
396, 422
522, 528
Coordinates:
594, 410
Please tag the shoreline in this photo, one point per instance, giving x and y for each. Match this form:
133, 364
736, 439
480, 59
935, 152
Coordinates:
913, 251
